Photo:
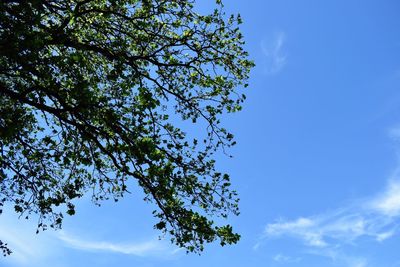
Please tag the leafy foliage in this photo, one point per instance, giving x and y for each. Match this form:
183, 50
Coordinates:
90, 95
5, 250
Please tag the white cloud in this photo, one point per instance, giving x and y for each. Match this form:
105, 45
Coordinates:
340, 258
362, 263
389, 202
302, 228
280, 258
26, 246
300, 223
383, 236
146, 248
273, 52
376, 219
343, 226
31, 249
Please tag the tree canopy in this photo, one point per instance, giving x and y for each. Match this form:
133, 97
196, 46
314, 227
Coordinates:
92, 95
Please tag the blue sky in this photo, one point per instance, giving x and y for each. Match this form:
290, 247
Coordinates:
317, 164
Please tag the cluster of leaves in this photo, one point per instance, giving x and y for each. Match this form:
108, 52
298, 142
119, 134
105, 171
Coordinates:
4, 249
87, 93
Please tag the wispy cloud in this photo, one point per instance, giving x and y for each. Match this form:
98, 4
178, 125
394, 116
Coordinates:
376, 219
340, 258
331, 234
302, 228
273, 52
389, 202
280, 258
27, 247
31, 249
146, 248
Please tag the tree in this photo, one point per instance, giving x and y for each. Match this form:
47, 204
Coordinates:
91, 93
